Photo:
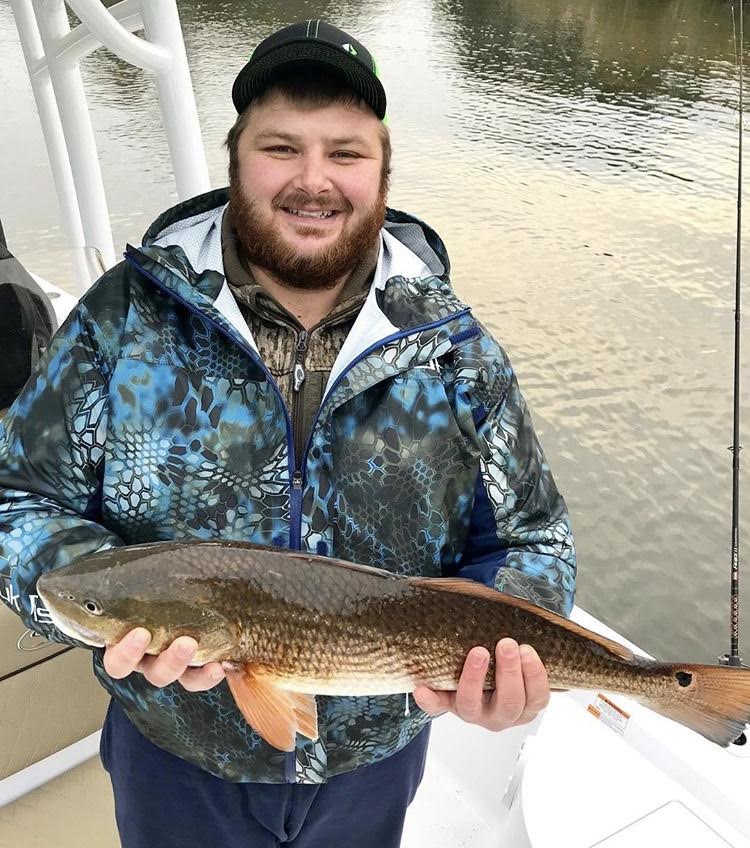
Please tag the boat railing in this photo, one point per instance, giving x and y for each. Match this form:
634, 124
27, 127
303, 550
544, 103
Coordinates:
53, 52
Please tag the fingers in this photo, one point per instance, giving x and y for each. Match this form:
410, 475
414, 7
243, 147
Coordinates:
200, 679
129, 655
536, 683
521, 685
432, 702
122, 659
169, 665
509, 699
470, 700
521, 688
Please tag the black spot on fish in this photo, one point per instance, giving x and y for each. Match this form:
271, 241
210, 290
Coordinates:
684, 678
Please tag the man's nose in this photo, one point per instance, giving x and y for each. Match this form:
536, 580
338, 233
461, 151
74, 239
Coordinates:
313, 176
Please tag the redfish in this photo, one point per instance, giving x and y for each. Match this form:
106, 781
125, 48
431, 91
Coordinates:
293, 625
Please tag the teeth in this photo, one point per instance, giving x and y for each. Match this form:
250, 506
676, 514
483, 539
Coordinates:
303, 214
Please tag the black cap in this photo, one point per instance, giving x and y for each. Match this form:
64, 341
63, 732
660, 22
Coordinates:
311, 41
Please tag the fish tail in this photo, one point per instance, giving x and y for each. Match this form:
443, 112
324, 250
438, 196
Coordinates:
711, 700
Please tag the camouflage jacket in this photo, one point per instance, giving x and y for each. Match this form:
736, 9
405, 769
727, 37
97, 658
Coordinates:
152, 417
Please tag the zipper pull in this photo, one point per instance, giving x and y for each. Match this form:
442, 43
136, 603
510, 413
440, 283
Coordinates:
299, 376
297, 481
299, 368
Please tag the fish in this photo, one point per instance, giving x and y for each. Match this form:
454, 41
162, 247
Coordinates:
289, 626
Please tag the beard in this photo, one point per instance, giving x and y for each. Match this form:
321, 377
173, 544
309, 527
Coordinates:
263, 246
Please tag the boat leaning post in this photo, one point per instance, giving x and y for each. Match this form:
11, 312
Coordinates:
53, 52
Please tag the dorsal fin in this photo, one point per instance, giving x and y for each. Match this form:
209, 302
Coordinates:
463, 586
342, 563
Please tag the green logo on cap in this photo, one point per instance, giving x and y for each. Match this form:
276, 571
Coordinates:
350, 48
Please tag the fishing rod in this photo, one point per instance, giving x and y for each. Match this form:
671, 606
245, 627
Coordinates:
733, 658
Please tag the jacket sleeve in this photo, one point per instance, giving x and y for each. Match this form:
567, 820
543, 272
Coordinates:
51, 455
520, 539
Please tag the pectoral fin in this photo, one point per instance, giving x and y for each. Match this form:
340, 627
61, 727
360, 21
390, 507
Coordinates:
276, 714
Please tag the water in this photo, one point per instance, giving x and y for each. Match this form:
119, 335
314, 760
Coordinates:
579, 159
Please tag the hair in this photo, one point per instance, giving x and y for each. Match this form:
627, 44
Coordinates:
308, 86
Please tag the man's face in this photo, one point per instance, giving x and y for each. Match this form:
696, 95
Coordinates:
306, 196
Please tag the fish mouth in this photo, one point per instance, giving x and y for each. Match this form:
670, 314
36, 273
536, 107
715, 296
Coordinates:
77, 631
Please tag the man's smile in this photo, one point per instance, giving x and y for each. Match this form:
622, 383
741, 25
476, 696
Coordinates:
307, 213
317, 216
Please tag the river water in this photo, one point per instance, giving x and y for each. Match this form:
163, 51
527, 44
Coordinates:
578, 158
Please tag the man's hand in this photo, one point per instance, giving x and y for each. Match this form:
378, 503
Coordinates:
521, 688
129, 655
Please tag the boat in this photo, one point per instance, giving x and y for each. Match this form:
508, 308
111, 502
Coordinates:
593, 770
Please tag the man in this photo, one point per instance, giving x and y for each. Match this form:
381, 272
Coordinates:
285, 363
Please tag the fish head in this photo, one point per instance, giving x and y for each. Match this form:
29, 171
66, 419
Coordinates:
76, 608
98, 599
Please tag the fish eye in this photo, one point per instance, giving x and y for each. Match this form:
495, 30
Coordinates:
92, 607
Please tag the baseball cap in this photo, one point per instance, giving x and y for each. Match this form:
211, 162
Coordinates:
312, 41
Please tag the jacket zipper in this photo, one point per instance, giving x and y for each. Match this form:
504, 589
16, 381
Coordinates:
298, 377
299, 359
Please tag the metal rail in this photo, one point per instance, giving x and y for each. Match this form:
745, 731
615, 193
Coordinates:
53, 52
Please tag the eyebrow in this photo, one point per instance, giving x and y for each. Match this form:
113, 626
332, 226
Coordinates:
295, 139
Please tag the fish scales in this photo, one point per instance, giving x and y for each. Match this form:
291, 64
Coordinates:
332, 621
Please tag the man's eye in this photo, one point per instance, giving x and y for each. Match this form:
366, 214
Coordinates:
280, 148
346, 154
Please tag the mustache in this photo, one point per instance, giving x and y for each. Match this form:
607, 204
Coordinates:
300, 200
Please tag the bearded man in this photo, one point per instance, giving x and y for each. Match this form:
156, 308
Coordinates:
285, 362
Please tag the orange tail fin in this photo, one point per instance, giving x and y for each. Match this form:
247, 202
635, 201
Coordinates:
711, 700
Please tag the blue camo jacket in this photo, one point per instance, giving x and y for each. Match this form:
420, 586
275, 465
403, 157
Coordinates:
152, 417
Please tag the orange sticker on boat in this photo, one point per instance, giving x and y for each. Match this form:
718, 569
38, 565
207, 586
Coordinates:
609, 713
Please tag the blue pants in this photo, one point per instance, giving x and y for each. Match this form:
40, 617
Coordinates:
162, 801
